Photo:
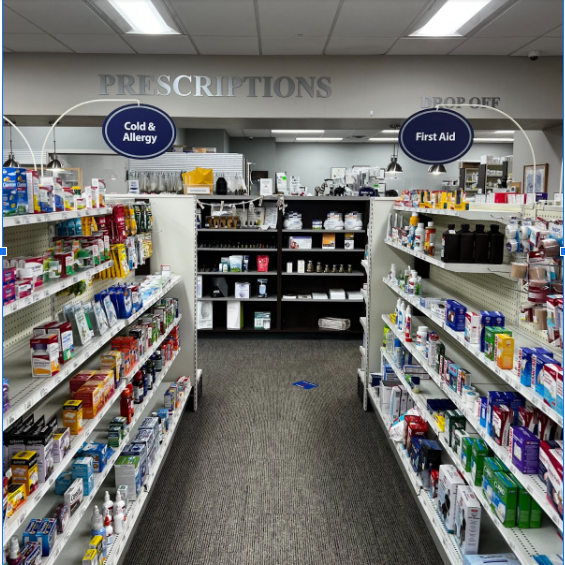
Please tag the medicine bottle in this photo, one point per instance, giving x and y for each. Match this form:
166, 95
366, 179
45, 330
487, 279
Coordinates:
419, 237
496, 253
138, 388
413, 279
467, 245
126, 405
158, 360
430, 241
482, 243
422, 337
450, 245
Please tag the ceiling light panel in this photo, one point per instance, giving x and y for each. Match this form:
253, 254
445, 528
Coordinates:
505, 131
384, 139
300, 131
143, 17
316, 139
493, 139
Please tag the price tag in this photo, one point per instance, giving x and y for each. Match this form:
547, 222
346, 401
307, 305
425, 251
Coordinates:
28, 300
58, 550
11, 419
36, 296
51, 481
21, 519
75, 279
43, 391
64, 215
28, 404
17, 221
26, 219
40, 218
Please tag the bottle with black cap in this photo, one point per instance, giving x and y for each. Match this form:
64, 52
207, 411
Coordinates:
466, 244
496, 255
450, 245
482, 244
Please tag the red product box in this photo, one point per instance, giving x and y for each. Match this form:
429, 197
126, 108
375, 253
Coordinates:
9, 275
416, 427
67, 261
8, 293
554, 480
23, 289
546, 426
77, 381
527, 418
500, 198
501, 420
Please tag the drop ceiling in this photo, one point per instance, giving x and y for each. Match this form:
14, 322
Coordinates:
282, 27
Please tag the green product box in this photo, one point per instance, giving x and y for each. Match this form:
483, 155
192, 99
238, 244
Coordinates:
535, 515
524, 505
458, 437
492, 464
467, 452
505, 498
490, 339
454, 420
480, 453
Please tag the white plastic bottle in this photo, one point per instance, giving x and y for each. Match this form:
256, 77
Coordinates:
108, 506
97, 528
119, 520
411, 286
397, 310
419, 237
119, 505
400, 319
408, 324
14, 553
109, 530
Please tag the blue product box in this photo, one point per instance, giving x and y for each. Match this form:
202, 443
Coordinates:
515, 400
483, 412
163, 413
492, 559
88, 485
83, 468
99, 454
415, 448
46, 535
139, 450
453, 371
490, 318
525, 358
538, 362
9, 192
63, 482
548, 559
30, 533
455, 315
22, 205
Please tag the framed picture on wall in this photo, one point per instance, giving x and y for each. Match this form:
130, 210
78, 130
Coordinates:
337, 172
540, 178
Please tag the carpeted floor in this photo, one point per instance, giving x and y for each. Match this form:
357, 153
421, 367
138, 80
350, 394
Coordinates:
269, 474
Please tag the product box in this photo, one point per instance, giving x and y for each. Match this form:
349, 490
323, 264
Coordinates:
467, 452
395, 398
98, 452
46, 535
300, 242
349, 241
504, 350
449, 482
524, 447
480, 453
463, 379
455, 314
490, 319
91, 557
32, 182
204, 315
128, 473
72, 416
490, 340
24, 470
15, 498
234, 315
553, 386
473, 328
242, 290
491, 465
328, 241
539, 360
554, 481
501, 421
63, 482
31, 553
30, 533
265, 187
45, 355
467, 520
9, 192
545, 447
526, 419
40, 441
504, 498
262, 320
74, 495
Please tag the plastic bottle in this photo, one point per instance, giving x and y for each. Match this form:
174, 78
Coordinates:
397, 310
450, 245
411, 288
412, 229
407, 275
119, 505
482, 244
109, 530
430, 242
119, 521
397, 354
389, 227
138, 388
419, 237
108, 505
496, 253
422, 337
467, 244
14, 553
400, 319
408, 323
97, 527
126, 405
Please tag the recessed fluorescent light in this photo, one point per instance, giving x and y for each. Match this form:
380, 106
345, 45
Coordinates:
389, 131
319, 139
393, 139
142, 16
320, 131
493, 139
450, 18
507, 131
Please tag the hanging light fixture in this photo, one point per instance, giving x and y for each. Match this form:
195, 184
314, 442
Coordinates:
11, 161
437, 170
394, 166
54, 164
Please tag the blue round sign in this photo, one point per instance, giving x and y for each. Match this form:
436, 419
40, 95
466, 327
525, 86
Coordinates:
139, 131
436, 136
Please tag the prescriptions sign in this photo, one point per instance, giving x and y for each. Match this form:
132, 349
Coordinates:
139, 131
436, 136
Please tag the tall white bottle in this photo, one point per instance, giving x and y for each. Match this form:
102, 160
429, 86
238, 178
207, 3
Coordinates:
408, 324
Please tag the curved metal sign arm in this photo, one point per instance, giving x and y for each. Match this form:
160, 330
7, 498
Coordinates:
25, 139
70, 110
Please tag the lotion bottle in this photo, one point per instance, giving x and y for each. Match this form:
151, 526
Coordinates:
14, 553
419, 237
109, 531
118, 521
108, 505
119, 505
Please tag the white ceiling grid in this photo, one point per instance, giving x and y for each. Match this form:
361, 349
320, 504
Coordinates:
282, 27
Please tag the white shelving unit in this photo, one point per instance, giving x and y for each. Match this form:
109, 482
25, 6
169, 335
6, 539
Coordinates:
488, 213
27, 219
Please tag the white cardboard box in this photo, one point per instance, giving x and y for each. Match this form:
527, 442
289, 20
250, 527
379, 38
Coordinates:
234, 315
242, 289
265, 187
467, 520
205, 315
449, 481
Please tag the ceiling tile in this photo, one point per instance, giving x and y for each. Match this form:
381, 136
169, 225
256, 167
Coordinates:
369, 18
557, 32
525, 18
14, 23
293, 45
491, 45
425, 46
231, 18
33, 43
60, 16
208, 45
85, 43
549, 46
359, 45
257, 133
160, 44
310, 18
234, 132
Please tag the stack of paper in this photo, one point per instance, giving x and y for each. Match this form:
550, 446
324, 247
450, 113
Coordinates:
337, 294
354, 295
319, 296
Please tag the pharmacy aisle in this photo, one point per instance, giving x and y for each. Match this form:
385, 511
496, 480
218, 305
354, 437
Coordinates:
267, 473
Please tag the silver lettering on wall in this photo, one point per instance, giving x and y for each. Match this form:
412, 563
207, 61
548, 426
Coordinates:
219, 86
456, 101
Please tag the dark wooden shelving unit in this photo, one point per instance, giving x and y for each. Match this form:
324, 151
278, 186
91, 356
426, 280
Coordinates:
289, 315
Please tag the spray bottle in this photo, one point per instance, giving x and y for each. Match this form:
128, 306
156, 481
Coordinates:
14, 553
120, 505
400, 319
108, 505
108, 531
97, 528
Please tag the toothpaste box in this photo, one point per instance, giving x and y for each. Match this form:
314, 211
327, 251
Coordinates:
467, 520
449, 481
524, 447
504, 498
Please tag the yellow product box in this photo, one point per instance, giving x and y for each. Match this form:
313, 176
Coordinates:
97, 543
92, 396
91, 558
15, 498
504, 347
24, 470
72, 416
440, 420
106, 379
113, 361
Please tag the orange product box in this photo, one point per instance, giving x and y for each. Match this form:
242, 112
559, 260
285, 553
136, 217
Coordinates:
15, 498
45, 355
106, 379
504, 347
112, 361
78, 380
92, 397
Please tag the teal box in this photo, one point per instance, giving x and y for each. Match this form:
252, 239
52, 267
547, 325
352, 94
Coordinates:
46, 535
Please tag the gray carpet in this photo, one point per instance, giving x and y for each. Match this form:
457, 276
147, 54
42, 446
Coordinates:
268, 474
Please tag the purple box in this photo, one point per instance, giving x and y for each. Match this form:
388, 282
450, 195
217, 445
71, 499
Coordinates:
524, 448
9, 293
9, 275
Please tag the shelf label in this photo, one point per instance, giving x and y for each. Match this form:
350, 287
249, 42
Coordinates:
43, 391
64, 215
11, 419
28, 404
28, 300
75, 279
40, 218
26, 219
